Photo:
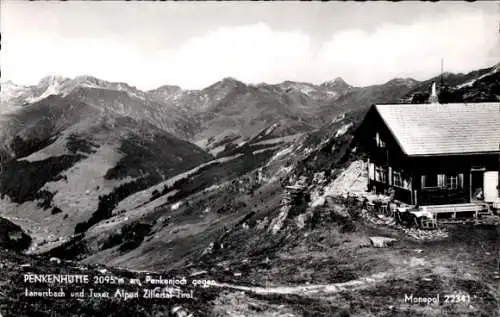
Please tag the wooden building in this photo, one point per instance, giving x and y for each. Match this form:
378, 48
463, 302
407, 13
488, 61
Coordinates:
433, 154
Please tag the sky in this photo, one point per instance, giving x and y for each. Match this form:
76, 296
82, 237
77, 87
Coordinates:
193, 44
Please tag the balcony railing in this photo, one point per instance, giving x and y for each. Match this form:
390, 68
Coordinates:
443, 196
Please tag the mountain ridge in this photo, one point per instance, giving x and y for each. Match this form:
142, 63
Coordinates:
51, 79
230, 109
93, 177
337, 81
225, 119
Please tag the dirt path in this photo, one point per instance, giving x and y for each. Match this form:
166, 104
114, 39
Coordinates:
318, 289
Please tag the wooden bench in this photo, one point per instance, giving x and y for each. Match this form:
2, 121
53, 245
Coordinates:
456, 208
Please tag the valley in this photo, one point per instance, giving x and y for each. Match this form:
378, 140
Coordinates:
103, 176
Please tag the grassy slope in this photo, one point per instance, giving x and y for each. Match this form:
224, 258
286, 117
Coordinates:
331, 248
311, 255
14, 303
188, 192
87, 166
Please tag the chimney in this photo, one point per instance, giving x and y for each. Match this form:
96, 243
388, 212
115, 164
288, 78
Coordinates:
433, 98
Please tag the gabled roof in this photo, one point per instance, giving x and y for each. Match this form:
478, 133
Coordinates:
444, 129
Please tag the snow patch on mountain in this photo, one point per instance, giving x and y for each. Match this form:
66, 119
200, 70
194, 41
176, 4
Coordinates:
57, 85
304, 88
176, 205
217, 150
282, 153
336, 84
494, 70
285, 139
9, 90
271, 128
274, 148
343, 129
339, 118
51, 90
48, 86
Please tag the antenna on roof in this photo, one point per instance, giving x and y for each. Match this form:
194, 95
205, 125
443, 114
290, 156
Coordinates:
442, 80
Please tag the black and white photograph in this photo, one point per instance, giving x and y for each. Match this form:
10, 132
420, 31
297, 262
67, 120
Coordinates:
249, 158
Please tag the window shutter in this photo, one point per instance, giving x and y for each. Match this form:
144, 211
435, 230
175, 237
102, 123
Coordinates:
389, 181
441, 180
422, 179
461, 180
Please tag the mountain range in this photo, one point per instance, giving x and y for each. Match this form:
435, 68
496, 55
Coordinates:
178, 180
83, 141
232, 110
228, 109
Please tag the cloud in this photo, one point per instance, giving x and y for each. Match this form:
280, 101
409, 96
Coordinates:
465, 42
28, 58
250, 53
256, 53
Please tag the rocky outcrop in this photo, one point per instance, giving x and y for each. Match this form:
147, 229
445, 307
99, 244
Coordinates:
381, 242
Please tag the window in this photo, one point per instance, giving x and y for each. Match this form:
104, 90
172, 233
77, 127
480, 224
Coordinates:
379, 141
454, 181
380, 174
429, 181
451, 181
397, 179
400, 180
433, 180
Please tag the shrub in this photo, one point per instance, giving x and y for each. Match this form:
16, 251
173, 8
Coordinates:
108, 202
81, 227
57, 210
155, 194
23, 181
